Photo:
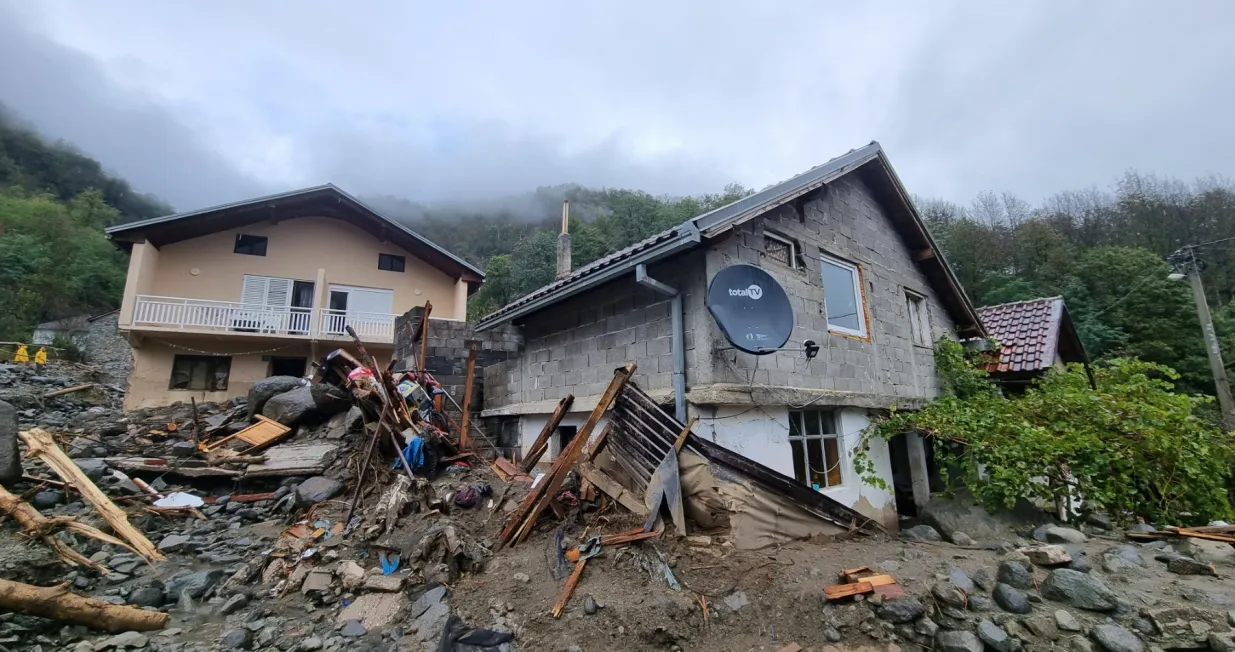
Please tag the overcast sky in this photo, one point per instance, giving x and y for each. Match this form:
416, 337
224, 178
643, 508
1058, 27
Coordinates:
205, 102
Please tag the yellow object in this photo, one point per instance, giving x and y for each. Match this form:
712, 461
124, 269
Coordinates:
22, 354
40, 356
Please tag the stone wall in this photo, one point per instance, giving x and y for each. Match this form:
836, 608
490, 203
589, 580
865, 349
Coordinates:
844, 222
574, 346
449, 343
104, 346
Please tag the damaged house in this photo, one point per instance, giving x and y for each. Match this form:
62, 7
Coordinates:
870, 294
1033, 336
219, 298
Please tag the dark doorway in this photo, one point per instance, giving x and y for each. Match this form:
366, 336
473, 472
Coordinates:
288, 366
302, 307
564, 435
902, 476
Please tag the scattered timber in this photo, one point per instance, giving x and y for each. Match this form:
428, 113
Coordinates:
58, 603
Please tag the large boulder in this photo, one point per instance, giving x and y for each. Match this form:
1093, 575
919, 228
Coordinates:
267, 388
1210, 552
291, 408
330, 400
952, 514
317, 489
10, 458
1079, 590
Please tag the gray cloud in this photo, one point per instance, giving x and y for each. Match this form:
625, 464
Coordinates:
445, 102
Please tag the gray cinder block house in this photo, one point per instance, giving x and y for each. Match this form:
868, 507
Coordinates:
866, 282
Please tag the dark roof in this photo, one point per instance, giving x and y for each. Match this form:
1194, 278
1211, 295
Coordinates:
319, 201
1032, 335
869, 161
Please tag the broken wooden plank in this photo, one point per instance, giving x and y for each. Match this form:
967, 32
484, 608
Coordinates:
68, 390
465, 442
594, 448
849, 574
837, 591
259, 435
424, 336
665, 486
879, 580
890, 591
41, 444
614, 489
542, 440
60, 604
188, 468
536, 501
619, 539
294, 459
1206, 536
569, 588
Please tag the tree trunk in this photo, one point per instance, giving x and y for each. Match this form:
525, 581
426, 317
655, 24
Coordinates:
38, 525
57, 603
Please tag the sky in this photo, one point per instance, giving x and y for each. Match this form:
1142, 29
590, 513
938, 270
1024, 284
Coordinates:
206, 102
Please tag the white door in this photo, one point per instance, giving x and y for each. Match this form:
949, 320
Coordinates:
365, 309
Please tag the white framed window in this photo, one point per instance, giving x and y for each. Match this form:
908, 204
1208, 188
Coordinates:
816, 448
919, 323
780, 249
843, 302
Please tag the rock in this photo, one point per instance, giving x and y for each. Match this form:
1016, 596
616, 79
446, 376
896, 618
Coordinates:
1142, 528
1210, 552
263, 390
1014, 574
427, 599
959, 513
173, 543
124, 641
234, 604
736, 600
195, 585
310, 644
429, 625
184, 449
984, 579
151, 595
979, 602
93, 467
353, 629
1043, 626
1221, 642
522, 577
292, 407
10, 457
330, 400
1185, 625
1058, 534
1080, 565
1122, 558
589, 605
1046, 555
995, 638
377, 610
47, 499
903, 610
1066, 621
350, 573
921, 533
236, 639
947, 593
1230, 618
961, 580
1189, 566
962, 539
1113, 638
318, 580
384, 583
1079, 590
957, 641
1011, 599
1099, 521
701, 540
832, 634
317, 489
925, 627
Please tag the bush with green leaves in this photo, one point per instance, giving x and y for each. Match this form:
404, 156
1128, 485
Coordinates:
1132, 446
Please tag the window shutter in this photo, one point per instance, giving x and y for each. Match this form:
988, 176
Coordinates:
278, 292
254, 292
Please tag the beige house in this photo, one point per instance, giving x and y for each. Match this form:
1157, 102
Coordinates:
220, 298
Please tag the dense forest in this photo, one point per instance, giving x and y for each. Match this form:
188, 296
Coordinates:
1103, 250
54, 204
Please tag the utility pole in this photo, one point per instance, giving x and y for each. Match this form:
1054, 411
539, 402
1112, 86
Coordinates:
1185, 260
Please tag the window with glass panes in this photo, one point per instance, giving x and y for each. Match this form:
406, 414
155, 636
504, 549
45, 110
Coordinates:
816, 447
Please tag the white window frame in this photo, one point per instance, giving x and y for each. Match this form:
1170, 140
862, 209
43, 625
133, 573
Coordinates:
793, 248
856, 288
919, 318
833, 418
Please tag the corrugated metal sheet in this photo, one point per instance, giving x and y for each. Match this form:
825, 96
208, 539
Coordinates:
1027, 333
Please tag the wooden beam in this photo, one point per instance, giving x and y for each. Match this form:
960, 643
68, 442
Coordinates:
923, 254
465, 442
424, 336
38, 525
68, 390
837, 591
58, 603
542, 440
40, 444
567, 590
614, 489
594, 449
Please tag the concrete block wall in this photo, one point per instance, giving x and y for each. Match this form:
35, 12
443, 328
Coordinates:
845, 222
573, 347
449, 344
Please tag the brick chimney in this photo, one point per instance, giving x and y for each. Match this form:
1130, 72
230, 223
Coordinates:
563, 243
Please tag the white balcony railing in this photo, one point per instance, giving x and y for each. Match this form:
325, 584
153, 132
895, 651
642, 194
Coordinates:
370, 326
202, 314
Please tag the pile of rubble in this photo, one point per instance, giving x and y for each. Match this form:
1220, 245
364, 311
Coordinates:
351, 512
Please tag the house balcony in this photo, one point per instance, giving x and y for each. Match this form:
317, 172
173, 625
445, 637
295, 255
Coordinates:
178, 314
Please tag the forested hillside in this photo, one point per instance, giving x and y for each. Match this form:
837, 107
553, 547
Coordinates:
54, 204
1102, 250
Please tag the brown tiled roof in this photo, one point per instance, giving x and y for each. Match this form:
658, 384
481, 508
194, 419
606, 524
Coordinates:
1027, 332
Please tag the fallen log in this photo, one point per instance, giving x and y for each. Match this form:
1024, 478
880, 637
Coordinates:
41, 444
58, 603
68, 390
38, 525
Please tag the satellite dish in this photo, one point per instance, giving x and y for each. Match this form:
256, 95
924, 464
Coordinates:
751, 309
